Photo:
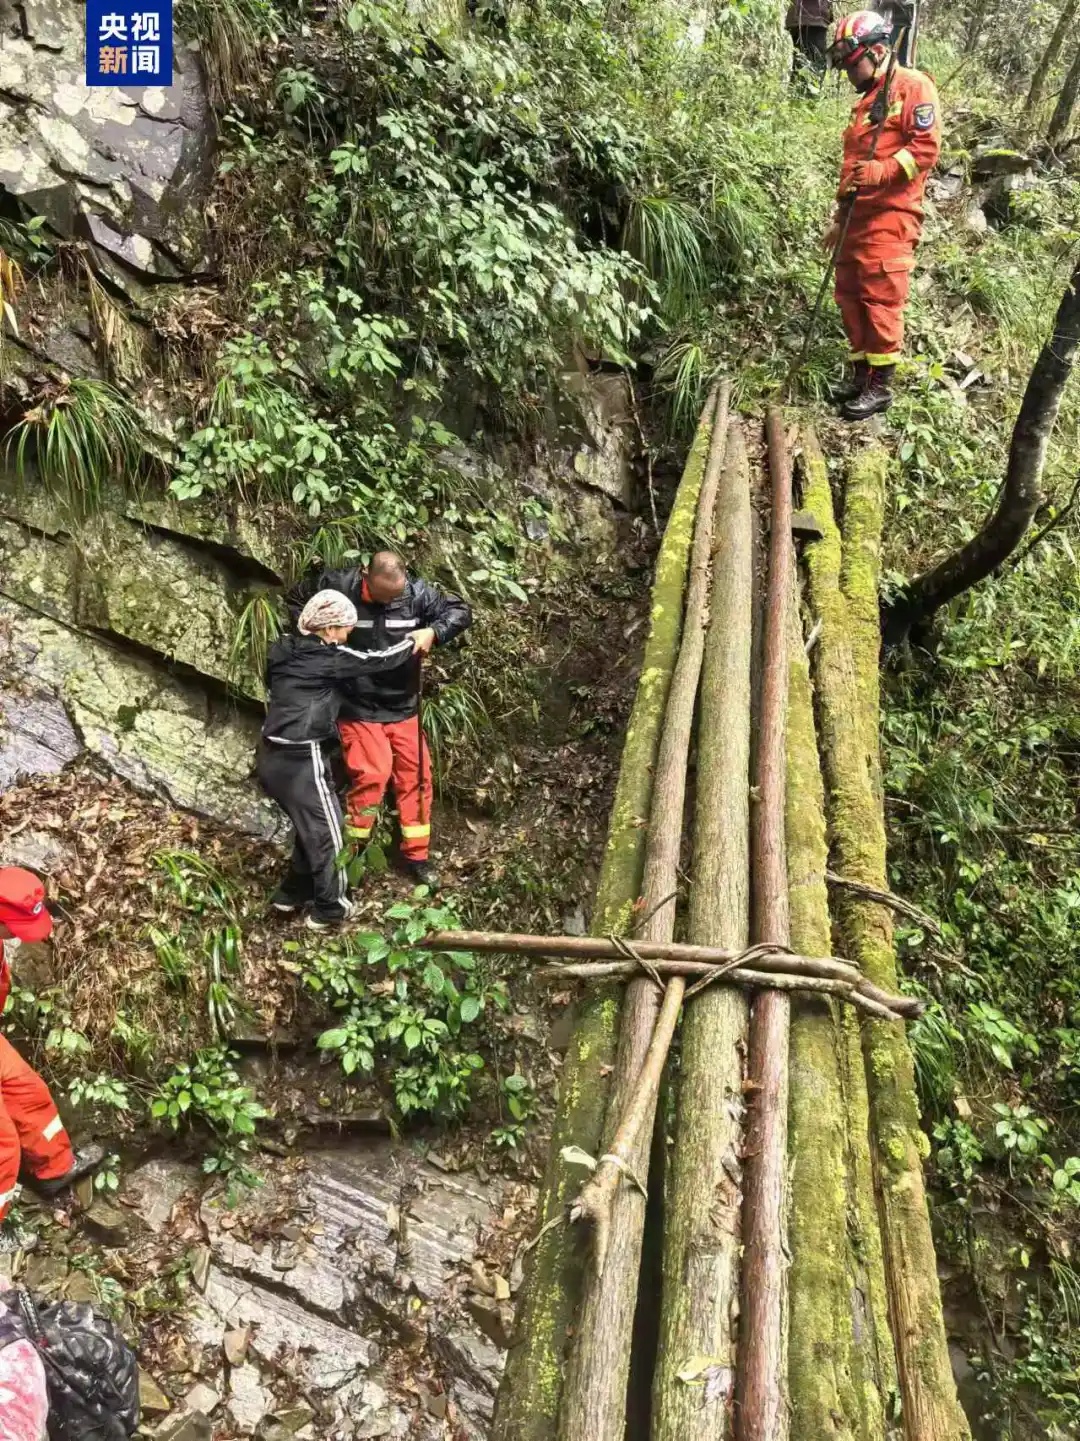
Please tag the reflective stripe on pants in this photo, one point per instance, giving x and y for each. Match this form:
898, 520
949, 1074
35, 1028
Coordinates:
31, 1131
377, 754
871, 293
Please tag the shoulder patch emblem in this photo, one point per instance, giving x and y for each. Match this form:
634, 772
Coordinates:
924, 117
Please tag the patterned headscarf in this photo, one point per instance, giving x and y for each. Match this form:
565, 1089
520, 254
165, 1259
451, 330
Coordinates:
326, 608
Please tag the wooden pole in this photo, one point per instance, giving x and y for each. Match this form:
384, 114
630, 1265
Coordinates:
594, 1403
530, 1395
702, 1235
889, 1008
841, 1375
761, 1389
608, 957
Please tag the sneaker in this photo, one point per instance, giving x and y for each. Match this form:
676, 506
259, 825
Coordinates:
422, 872
87, 1159
323, 923
329, 923
285, 908
876, 398
15, 1238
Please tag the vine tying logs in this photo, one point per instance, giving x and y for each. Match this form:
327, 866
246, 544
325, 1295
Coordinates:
803, 1174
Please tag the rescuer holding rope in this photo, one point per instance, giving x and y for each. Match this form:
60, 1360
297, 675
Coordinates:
890, 146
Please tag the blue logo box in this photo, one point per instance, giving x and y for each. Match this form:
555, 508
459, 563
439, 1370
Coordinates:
129, 42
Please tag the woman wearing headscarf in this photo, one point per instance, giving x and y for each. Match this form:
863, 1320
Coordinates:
304, 673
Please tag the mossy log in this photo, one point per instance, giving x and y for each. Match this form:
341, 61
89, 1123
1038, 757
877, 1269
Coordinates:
843, 588
528, 1402
840, 1367
594, 1404
702, 1231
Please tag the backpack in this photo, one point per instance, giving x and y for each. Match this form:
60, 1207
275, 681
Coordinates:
92, 1372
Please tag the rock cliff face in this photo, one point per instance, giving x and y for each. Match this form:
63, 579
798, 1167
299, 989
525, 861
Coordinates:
116, 635
121, 168
117, 631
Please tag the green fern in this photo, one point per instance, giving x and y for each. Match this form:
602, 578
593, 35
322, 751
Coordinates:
685, 370
455, 722
80, 436
666, 235
258, 627
333, 545
233, 36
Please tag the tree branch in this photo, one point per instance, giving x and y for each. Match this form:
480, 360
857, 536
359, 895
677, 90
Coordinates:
1019, 497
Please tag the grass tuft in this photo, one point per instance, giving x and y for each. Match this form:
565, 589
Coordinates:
78, 437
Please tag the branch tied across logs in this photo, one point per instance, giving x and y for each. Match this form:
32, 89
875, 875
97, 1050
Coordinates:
595, 958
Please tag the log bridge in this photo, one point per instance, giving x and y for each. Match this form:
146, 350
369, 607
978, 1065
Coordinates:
733, 1238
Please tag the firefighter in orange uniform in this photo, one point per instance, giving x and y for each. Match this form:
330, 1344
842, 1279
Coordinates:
885, 193
32, 1135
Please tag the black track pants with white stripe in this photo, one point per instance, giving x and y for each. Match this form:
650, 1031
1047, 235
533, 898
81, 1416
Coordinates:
298, 777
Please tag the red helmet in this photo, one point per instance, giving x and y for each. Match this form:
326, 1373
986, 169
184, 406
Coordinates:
856, 34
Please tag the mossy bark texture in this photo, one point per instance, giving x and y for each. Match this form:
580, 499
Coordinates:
696, 1361
843, 587
840, 1368
528, 1403
594, 1405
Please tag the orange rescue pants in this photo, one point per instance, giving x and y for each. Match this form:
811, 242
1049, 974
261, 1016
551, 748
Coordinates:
31, 1131
871, 291
376, 754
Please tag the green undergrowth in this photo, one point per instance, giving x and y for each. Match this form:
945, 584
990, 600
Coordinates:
981, 733
411, 1031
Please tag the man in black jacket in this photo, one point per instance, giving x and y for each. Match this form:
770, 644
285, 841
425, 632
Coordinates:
306, 673
380, 728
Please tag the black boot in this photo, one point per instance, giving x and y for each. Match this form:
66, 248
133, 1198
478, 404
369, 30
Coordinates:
87, 1159
423, 873
852, 388
875, 398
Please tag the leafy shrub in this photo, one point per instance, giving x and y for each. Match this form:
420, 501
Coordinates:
207, 1091
411, 1010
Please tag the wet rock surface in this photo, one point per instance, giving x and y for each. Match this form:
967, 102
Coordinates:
337, 1300
120, 168
64, 693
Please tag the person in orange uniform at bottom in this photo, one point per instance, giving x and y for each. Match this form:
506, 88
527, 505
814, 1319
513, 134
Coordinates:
379, 724
32, 1135
873, 269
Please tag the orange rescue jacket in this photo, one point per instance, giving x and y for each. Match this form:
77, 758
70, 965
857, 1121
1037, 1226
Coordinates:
889, 216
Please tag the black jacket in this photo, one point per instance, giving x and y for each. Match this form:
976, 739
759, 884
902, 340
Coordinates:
391, 695
305, 679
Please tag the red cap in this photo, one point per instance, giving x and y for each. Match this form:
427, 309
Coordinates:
22, 905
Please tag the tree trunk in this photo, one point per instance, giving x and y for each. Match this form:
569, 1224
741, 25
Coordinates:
841, 1369
1050, 55
762, 1413
1020, 495
979, 14
1066, 102
846, 663
594, 1405
527, 1406
702, 1234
